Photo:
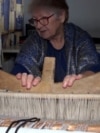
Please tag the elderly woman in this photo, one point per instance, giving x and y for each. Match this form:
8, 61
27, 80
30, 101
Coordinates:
74, 50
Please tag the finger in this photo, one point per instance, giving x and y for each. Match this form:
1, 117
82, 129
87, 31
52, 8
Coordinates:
71, 80
36, 81
65, 81
24, 79
29, 81
18, 76
79, 76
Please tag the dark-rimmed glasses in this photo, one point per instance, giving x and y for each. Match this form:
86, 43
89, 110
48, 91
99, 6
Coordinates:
43, 21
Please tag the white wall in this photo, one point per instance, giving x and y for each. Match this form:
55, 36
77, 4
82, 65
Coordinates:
85, 13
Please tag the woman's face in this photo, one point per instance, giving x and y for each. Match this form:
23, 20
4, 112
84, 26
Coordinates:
47, 23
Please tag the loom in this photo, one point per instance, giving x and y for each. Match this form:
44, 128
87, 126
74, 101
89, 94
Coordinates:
49, 101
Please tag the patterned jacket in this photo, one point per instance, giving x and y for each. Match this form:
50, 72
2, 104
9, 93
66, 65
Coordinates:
81, 53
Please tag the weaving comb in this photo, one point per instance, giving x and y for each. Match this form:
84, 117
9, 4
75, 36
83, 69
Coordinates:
88, 85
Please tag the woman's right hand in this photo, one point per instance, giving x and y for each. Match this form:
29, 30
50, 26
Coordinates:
28, 80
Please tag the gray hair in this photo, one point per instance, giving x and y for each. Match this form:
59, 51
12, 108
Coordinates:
58, 5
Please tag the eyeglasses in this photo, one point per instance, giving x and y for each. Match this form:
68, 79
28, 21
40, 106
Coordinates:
43, 21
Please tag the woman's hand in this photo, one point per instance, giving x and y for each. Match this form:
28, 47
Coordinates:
70, 79
28, 80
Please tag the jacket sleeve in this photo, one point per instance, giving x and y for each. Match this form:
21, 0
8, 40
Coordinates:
31, 55
87, 55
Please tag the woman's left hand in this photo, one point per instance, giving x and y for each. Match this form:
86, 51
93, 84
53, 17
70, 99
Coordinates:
70, 79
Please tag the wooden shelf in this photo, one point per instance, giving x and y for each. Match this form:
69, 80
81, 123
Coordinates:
98, 47
8, 32
11, 49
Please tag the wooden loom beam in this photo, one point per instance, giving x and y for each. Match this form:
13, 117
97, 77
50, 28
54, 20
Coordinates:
88, 85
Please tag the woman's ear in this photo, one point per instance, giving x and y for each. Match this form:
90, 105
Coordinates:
62, 16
